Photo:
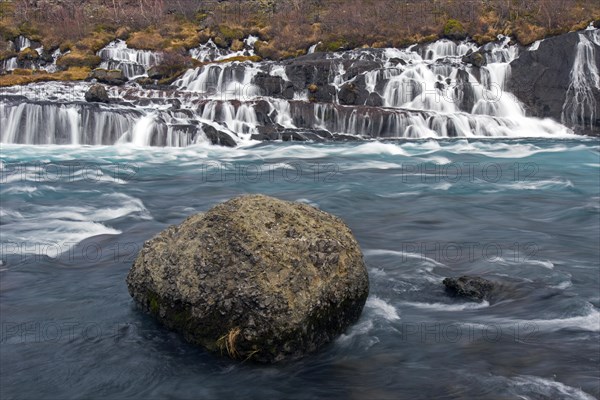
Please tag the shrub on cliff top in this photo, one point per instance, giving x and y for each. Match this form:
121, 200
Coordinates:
454, 30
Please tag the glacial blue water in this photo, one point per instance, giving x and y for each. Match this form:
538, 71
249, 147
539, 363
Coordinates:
523, 212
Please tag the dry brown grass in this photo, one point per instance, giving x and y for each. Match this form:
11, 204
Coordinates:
288, 29
78, 58
228, 343
72, 74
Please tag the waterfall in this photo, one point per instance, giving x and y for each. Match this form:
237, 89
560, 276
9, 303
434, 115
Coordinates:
209, 51
222, 81
9, 64
421, 91
21, 43
142, 130
447, 48
580, 99
133, 62
312, 48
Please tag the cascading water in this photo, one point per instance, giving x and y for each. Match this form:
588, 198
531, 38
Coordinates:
9, 64
209, 51
22, 43
421, 91
133, 62
580, 100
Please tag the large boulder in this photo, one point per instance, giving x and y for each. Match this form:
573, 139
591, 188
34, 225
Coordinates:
254, 278
97, 93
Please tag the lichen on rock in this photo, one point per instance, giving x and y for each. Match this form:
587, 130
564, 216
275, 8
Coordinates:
254, 278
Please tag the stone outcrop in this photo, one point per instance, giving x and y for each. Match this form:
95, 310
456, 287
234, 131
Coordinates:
97, 93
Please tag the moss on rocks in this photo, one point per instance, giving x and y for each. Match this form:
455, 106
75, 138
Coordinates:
240, 59
255, 278
28, 54
78, 59
149, 39
72, 74
454, 30
332, 45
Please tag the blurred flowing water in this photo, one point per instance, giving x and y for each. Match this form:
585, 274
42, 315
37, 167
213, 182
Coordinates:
524, 212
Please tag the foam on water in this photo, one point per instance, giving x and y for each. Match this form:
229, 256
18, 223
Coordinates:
589, 321
66, 225
382, 308
448, 307
525, 385
404, 255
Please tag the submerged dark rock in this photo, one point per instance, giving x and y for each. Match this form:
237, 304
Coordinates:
469, 287
97, 93
254, 278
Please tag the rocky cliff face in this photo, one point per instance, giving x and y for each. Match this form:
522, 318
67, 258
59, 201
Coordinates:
559, 80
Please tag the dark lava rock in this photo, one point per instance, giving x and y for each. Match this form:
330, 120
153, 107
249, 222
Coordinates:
218, 137
464, 92
475, 58
274, 86
470, 287
254, 278
374, 100
110, 77
348, 94
541, 78
155, 72
322, 94
97, 93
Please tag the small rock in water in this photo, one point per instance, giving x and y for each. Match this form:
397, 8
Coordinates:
470, 287
97, 93
254, 278
476, 58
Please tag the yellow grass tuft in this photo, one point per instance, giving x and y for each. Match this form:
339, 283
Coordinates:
227, 342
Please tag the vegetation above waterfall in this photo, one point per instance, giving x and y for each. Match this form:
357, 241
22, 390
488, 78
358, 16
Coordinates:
286, 28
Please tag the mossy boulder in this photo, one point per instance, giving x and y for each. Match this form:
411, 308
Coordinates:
475, 58
226, 36
254, 278
28, 54
237, 45
108, 76
78, 59
454, 30
332, 45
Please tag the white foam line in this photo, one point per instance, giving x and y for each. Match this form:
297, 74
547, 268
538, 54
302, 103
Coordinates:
383, 252
448, 307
